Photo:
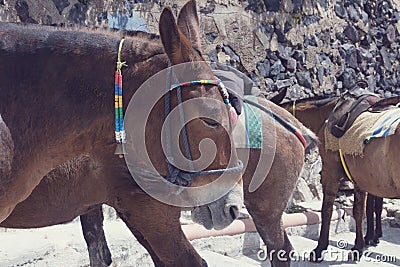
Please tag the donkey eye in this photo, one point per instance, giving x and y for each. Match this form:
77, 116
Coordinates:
210, 122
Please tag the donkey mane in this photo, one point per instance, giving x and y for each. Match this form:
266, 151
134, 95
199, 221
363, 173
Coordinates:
30, 38
110, 31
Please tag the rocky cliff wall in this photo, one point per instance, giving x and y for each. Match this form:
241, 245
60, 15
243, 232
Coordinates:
310, 46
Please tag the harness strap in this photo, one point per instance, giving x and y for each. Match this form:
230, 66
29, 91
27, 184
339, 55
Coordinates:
294, 108
346, 170
119, 63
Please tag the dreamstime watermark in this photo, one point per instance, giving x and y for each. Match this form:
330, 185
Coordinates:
337, 253
150, 135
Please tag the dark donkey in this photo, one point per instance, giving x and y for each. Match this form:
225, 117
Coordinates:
266, 204
155, 224
313, 113
374, 206
56, 103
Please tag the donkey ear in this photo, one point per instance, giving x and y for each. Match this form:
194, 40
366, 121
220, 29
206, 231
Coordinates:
188, 23
170, 36
278, 98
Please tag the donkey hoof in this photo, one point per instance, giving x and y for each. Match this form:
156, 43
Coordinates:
316, 256
204, 263
355, 254
370, 242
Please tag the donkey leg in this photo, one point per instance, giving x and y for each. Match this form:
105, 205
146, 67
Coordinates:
369, 236
378, 219
358, 212
273, 234
266, 206
160, 226
142, 240
93, 232
6, 156
267, 216
330, 188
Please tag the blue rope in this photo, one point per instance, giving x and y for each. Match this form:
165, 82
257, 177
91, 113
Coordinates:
176, 176
180, 177
184, 133
167, 123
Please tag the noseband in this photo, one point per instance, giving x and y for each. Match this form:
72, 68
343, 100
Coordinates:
176, 175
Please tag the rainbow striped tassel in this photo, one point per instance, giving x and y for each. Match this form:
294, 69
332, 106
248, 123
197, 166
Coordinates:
120, 135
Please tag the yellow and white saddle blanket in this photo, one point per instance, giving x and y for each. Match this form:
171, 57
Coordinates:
368, 126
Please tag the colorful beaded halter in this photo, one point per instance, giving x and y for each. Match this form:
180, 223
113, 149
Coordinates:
176, 175
222, 89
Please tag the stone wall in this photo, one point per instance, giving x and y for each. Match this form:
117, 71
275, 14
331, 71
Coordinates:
313, 47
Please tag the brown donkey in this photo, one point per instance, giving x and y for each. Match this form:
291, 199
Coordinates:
62, 195
56, 104
313, 113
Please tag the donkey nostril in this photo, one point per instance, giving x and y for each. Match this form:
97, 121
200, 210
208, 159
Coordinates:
234, 212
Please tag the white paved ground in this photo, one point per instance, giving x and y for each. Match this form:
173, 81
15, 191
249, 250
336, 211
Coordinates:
64, 245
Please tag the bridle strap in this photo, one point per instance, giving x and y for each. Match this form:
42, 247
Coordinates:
183, 178
176, 175
173, 171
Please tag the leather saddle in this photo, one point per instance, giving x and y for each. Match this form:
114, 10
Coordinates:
348, 108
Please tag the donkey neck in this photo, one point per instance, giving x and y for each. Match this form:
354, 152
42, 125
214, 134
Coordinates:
57, 86
313, 116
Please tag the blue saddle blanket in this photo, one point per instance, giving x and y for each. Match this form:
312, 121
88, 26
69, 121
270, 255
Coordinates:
247, 132
386, 125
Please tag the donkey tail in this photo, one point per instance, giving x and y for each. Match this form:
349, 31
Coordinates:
311, 138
